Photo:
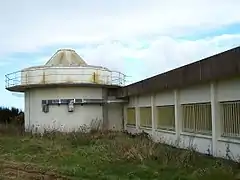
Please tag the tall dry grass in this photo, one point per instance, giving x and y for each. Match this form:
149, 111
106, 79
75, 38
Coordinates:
138, 148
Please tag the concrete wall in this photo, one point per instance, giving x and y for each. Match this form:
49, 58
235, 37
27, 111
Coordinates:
58, 116
196, 94
27, 109
227, 91
49, 75
164, 98
214, 93
132, 103
115, 116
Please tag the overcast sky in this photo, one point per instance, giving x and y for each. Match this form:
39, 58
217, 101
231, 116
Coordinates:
140, 38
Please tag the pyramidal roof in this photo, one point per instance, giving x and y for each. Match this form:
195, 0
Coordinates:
66, 57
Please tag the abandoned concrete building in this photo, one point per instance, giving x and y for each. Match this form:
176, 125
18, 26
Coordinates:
195, 105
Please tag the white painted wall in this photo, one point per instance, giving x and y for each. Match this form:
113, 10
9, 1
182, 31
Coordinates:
131, 129
221, 91
199, 143
195, 94
144, 101
165, 137
115, 116
164, 98
228, 91
132, 102
26, 109
49, 75
228, 147
58, 116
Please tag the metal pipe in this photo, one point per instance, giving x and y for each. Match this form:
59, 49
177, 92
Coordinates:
117, 101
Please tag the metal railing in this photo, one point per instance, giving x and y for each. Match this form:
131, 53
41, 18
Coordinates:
230, 119
17, 78
197, 118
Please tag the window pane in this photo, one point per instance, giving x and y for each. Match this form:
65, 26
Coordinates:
166, 117
131, 116
230, 119
197, 118
145, 117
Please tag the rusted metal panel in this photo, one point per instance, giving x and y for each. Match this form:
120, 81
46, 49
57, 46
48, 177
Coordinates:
220, 66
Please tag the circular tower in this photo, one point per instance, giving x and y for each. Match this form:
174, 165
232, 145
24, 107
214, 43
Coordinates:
67, 94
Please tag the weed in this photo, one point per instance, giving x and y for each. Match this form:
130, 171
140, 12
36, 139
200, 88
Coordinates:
100, 154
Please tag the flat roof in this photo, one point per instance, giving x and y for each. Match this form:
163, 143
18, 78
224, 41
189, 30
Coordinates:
221, 66
23, 88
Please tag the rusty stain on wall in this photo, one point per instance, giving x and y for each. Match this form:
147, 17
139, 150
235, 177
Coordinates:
26, 78
95, 78
43, 78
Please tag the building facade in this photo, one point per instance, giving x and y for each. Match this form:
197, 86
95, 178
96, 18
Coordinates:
195, 106
67, 94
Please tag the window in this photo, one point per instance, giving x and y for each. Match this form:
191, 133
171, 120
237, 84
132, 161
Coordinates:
166, 117
145, 117
197, 118
131, 116
230, 118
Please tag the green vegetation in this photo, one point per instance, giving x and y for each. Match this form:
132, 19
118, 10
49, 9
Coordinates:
103, 155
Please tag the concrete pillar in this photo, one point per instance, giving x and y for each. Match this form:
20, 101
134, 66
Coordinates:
216, 127
27, 111
178, 115
105, 109
137, 112
125, 117
153, 108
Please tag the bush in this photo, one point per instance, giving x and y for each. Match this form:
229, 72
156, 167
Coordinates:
11, 116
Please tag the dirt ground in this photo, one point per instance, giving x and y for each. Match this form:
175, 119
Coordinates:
23, 171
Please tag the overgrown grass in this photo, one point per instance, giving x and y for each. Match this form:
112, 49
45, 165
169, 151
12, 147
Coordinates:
106, 155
